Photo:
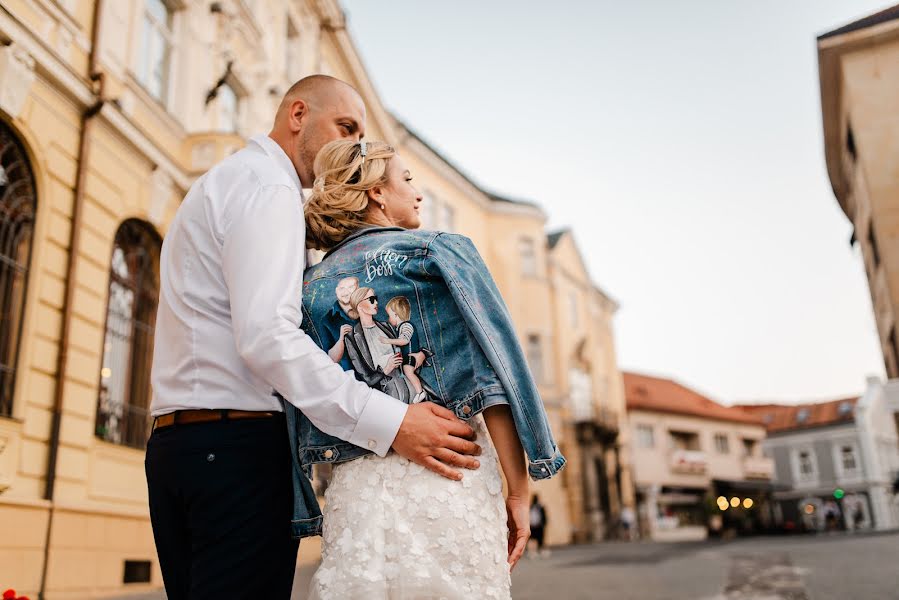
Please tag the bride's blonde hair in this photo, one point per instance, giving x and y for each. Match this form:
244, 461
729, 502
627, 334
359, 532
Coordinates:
339, 201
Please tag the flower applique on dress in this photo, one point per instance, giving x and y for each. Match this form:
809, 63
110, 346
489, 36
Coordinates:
396, 531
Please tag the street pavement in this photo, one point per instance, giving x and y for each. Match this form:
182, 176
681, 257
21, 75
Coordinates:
822, 567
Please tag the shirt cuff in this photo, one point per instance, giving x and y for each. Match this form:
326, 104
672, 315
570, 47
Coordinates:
379, 423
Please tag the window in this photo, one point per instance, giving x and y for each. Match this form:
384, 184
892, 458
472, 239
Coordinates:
292, 52
447, 217
802, 415
581, 394
156, 49
806, 462
429, 210
228, 105
528, 252
645, 436
683, 440
124, 398
535, 358
749, 447
17, 207
136, 571
847, 458
721, 443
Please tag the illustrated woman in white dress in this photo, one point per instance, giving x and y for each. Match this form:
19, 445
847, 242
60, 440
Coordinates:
392, 529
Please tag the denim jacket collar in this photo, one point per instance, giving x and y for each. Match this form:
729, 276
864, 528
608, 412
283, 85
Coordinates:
362, 231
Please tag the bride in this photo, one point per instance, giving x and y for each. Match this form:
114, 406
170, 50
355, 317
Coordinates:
393, 529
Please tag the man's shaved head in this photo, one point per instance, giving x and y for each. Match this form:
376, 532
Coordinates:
316, 110
316, 89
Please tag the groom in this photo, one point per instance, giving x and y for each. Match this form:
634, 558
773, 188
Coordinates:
227, 334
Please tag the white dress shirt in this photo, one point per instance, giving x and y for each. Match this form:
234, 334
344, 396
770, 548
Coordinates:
227, 329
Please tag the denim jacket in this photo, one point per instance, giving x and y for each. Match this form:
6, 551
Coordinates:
451, 342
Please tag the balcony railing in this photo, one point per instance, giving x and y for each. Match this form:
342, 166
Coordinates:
758, 467
688, 462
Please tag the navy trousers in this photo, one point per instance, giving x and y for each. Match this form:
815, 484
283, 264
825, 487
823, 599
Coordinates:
221, 501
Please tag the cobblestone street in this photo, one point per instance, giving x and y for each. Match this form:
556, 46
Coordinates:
793, 568
838, 567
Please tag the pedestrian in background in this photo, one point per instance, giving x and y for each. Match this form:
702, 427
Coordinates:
538, 524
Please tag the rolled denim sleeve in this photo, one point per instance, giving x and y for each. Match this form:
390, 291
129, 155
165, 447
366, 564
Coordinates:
457, 261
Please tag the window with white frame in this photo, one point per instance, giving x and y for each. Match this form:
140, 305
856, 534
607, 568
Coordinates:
527, 250
292, 64
581, 394
428, 210
535, 358
805, 465
847, 458
227, 104
154, 61
447, 217
722, 446
645, 436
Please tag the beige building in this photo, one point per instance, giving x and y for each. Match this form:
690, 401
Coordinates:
698, 465
108, 111
584, 372
859, 72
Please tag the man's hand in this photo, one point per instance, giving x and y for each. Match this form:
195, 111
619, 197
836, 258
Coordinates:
345, 330
519, 522
434, 438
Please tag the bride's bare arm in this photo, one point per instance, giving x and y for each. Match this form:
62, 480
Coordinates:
511, 459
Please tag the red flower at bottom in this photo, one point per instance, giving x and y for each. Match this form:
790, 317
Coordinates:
9, 595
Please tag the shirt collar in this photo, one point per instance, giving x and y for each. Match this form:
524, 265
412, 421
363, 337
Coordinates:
277, 153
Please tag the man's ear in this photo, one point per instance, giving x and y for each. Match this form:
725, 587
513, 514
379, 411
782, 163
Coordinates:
298, 111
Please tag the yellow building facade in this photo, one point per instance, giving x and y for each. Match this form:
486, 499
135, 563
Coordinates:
859, 73
109, 110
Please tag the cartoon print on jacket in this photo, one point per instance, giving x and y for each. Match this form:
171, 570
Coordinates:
383, 354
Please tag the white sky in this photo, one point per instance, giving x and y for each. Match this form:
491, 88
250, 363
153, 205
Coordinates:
682, 142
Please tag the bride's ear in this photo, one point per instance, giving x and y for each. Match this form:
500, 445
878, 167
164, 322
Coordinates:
374, 194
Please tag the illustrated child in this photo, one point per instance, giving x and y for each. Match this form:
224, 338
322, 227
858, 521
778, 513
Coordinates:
399, 311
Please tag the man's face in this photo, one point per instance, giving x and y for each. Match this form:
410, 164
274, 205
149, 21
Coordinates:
336, 115
345, 289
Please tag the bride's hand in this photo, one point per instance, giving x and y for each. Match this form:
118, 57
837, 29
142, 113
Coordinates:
519, 521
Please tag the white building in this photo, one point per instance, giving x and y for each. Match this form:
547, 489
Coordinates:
836, 461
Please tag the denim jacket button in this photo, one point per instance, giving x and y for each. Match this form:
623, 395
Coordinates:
329, 453
466, 410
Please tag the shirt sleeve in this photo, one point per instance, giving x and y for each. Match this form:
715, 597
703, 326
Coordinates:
263, 257
407, 331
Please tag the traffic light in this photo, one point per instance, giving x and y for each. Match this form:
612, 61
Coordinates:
838, 493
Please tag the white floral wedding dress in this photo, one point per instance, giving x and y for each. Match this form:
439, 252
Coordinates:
396, 531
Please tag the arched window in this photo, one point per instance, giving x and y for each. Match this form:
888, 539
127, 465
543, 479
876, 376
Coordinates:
123, 415
17, 206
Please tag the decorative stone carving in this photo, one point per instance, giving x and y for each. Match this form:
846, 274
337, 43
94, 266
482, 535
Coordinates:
16, 77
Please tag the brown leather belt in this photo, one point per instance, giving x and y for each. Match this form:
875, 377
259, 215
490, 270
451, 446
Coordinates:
183, 417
